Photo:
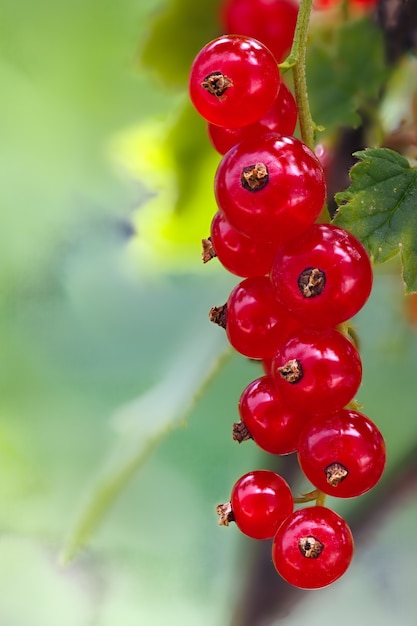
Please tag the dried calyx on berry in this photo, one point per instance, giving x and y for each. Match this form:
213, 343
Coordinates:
216, 83
208, 252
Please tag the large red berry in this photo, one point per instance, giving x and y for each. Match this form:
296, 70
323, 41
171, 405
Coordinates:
270, 188
271, 423
342, 454
312, 548
260, 501
270, 21
255, 321
324, 276
234, 81
317, 371
281, 118
239, 254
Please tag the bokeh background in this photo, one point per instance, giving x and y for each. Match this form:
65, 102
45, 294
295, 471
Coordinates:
117, 395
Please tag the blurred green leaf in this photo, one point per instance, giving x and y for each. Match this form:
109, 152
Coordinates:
176, 35
379, 208
142, 424
345, 72
69, 85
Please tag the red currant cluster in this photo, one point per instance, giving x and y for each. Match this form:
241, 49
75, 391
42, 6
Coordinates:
302, 282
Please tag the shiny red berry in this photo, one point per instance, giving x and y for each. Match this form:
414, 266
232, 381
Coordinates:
342, 454
312, 548
324, 276
270, 21
237, 253
260, 501
234, 81
317, 371
281, 118
255, 321
270, 188
271, 423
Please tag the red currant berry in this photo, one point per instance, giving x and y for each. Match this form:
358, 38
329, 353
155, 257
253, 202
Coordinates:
323, 277
274, 426
312, 548
282, 118
317, 371
260, 502
342, 454
267, 366
234, 81
237, 253
255, 321
270, 21
270, 188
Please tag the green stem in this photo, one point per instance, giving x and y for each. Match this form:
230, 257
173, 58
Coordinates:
321, 498
316, 496
297, 61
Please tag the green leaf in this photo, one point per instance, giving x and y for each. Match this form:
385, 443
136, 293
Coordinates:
142, 424
176, 35
187, 141
345, 71
66, 70
379, 208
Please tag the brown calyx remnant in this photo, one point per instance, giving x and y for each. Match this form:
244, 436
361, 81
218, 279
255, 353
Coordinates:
208, 252
240, 432
310, 547
216, 83
254, 177
218, 315
292, 371
225, 513
311, 282
335, 473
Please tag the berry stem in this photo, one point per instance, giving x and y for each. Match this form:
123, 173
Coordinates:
316, 495
296, 61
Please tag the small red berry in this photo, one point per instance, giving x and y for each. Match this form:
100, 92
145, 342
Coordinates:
237, 253
255, 321
270, 188
281, 118
259, 503
324, 276
342, 454
317, 371
270, 21
312, 548
271, 423
234, 81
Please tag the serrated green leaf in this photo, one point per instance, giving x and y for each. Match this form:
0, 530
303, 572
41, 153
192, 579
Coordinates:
345, 70
379, 208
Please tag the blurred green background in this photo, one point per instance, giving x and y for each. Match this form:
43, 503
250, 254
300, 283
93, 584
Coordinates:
117, 395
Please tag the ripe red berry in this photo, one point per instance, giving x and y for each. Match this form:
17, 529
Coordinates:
342, 454
270, 21
255, 321
281, 118
312, 548
259, 503
323, 277
234, 81
272, 424
239, 254
270, 188
317, 371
